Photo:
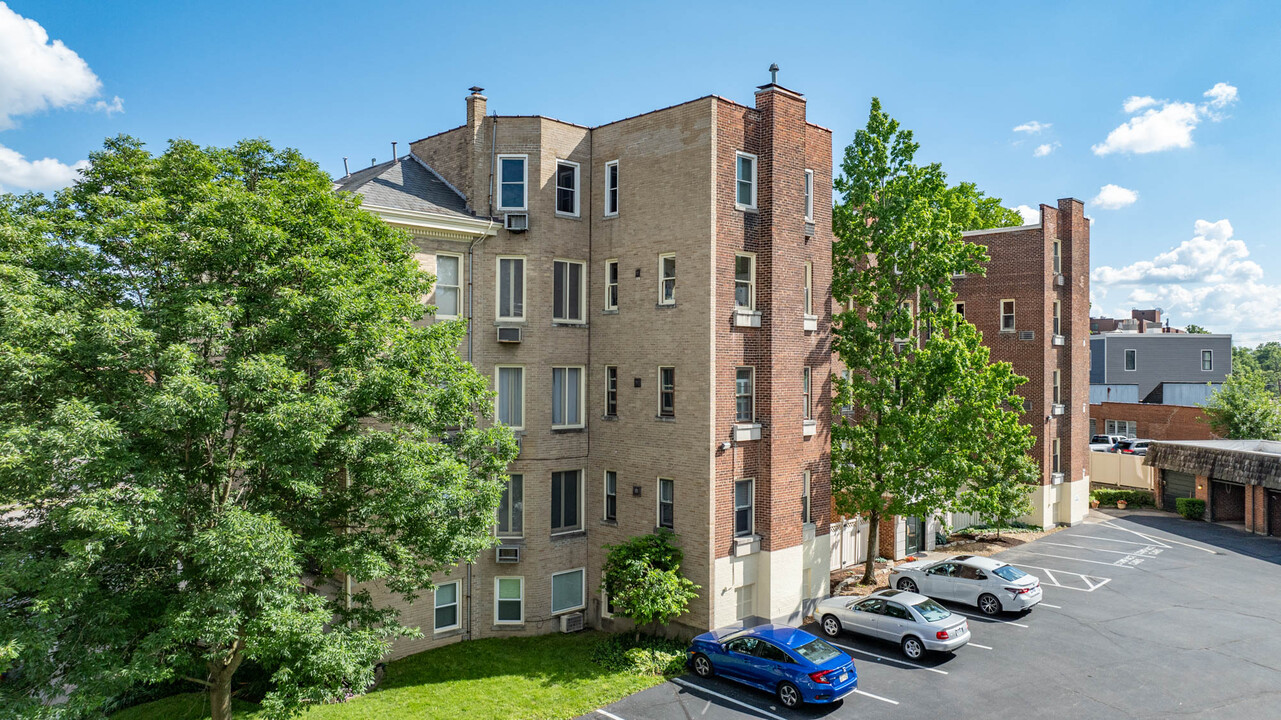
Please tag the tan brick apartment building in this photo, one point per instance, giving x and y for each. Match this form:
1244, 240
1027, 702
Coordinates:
650, 297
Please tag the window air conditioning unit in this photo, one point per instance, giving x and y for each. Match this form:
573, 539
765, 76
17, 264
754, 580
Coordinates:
516, 222
571, 622
519, 439
809, 229
1058, 409
1027, 334
507, 554
509, 334
1056, 478
1058, 280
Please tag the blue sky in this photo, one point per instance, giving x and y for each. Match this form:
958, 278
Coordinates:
1187, 225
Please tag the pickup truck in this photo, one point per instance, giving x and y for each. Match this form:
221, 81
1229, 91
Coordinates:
1104, 443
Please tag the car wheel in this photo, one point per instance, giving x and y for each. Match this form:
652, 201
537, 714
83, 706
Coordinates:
831, 626
788, 695
907, 585
913, 648
989, 604
702, 665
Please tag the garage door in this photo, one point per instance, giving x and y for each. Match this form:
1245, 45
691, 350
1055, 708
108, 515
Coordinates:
1177, 485
1227, 502
1274, 513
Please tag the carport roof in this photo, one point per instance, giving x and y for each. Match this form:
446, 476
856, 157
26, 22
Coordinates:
1250, 462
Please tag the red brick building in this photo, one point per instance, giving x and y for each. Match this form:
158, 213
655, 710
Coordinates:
1151, 421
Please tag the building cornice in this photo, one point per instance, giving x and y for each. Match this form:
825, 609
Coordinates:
426, 223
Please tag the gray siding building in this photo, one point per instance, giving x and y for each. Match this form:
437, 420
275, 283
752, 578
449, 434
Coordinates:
1160, 364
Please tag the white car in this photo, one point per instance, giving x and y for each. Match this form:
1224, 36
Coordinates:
915, 622
1104, 443
990, 585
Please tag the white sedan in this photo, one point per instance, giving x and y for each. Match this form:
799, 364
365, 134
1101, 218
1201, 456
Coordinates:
991, 585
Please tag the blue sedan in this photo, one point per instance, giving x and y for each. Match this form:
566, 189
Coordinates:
786, 661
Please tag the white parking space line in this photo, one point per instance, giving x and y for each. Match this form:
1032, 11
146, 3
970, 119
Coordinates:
995, 620
1053, 580
1056, 607
876, 697
1087, 580
1092, 562
974, 644
1154, 541
1114, 540
1145, 551
891, 660
608, 714
700, 688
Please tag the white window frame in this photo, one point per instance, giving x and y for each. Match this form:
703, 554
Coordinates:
458, 289
1125, 360
582, 594
1056, 461
809, 196
1057, 391
1000, 310
618, 189
661, 368
611, 390
662, 279
751, 516
807, 498
604, 505
751, 395
1056, 257
582, 525
498, 178
1203, 367
458, 607
497, 580
498, 288
809, 288
960, 308
582, 291
577, 189
738, 156
510, 535
611, 285
498, 389
1058, 318
751, 280
658, 503
807, 392
582, 396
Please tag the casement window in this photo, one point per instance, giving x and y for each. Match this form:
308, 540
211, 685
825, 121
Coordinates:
807, 406
513, 177
806, 516
1131, 359
568, 296
667, 279
448, 288
809, 288
1056, 256
960, 310
509, 600
510, 403
1057, 401
745, 281
1057, 319
1056, 464
446, 617
611, 496
567, 397
568, 591
1007, 316
566, 188
744, 395
611, 390
809, 196
611, 188
745, 192
567, 501
744, 507
511, 508
511, 288
1207, 360
667, 392
611, 284
666, 503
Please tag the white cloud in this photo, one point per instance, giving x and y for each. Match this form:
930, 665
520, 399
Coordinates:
1114, 197
1164, 125
1031, 215
1032, 127
36, 74
110, 108
1043, 150
44, 174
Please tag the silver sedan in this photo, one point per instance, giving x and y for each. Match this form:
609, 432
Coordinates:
989, 584
915, 622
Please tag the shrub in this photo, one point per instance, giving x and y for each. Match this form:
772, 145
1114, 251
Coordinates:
1190, 508
1135, 498
649, 655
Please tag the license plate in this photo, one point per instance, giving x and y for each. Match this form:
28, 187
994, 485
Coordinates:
844, 677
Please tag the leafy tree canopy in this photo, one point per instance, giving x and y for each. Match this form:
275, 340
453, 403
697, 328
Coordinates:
1196, 329
642, 578
1243, 409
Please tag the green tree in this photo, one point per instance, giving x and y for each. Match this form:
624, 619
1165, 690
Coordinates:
212, 382
931, 413
972, 209
1196, 329
642, 578
1243, 409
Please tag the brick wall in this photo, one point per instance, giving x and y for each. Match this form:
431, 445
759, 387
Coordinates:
1155, 422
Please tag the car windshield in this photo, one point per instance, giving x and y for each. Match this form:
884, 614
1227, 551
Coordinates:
1009, 572
817, 651
931, 610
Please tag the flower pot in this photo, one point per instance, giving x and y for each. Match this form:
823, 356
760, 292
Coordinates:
1120, 504
1094, 503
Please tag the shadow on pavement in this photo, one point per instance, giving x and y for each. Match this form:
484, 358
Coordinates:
1260, 547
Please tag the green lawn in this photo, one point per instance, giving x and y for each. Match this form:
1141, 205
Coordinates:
549, 676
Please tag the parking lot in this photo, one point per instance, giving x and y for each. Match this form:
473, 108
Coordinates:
1145, 615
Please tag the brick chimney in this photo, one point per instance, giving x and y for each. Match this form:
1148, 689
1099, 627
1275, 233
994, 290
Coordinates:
476, 109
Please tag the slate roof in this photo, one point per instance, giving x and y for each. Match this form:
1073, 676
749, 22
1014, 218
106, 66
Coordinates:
408, 184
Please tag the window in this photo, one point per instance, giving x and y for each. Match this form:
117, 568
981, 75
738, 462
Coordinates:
512, 177
745, 281
1055, 445
773, 653
1128, 428
805, 395
511, 288
611, 284
611, 495
1094, 427
1057, 401
567, 291
667, 279
446, 607
511, 396
744, 507
809, 196
896, 611
1056, 254
666, 503
568, 590
960, 310
1207, 360
1131, 359
1007, 316
509, 600
849, 379
611, 390
744, 395
809, 288
566, 188
667, 391
611, 188
745, 197
1057, 319
448, 292
511, 508
969, 572
566, 485
806, 517
567, 396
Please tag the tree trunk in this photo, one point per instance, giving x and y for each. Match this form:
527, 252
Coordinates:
220, 674
873, 546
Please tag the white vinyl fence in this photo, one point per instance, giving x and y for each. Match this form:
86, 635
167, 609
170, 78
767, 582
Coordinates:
849, 543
